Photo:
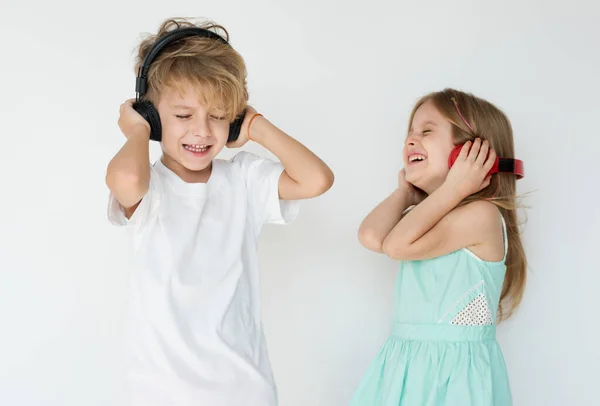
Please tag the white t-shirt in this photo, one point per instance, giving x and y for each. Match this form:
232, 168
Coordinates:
195, 321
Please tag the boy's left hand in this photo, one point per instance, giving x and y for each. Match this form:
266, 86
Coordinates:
243, 137
469, 174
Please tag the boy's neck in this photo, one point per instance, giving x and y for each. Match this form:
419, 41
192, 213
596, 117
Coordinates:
184, 173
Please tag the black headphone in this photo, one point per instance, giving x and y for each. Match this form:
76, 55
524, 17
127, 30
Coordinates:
145, 107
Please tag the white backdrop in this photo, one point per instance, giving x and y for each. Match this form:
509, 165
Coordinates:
341, 77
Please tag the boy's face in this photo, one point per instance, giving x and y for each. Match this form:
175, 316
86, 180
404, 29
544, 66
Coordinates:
192, 135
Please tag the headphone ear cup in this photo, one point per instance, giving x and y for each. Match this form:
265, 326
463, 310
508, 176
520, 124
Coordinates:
236, 127
147, 110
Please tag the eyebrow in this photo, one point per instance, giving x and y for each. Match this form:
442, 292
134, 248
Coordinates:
426, 123
182, 106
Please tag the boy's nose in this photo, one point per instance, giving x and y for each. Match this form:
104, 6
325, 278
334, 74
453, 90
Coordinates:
200, 128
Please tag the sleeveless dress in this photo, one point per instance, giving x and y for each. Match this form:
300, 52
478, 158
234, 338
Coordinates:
442, 349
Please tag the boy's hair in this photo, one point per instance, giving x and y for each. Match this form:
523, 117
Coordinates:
489, 123
212, 68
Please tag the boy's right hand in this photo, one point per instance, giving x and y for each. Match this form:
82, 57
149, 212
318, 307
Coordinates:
131, 122
415, 195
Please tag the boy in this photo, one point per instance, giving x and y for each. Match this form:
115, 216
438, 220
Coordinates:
197, 336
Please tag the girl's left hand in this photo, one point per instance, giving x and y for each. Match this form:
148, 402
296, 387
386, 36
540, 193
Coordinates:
243, 137
414, 194
469, 174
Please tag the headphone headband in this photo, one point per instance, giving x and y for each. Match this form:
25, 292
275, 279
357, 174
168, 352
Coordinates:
141, 81
145, 107
509, 165
502, 165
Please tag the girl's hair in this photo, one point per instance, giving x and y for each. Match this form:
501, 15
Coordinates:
211, 67
482, 119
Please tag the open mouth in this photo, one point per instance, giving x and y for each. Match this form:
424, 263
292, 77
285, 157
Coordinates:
414, 158
197, 149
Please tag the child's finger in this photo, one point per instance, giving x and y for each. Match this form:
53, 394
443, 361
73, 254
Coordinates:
464, 151
483, 153
491, 159
486, 182
475, 150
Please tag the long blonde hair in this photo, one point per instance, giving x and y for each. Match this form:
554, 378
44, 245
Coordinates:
489, 123
213, 68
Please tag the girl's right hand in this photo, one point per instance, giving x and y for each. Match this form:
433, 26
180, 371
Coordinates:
131, 122
415, 195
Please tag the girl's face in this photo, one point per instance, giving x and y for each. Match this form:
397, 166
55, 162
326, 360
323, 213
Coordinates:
427, 148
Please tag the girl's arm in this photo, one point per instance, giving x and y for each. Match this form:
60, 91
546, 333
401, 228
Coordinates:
436, 227
381, 220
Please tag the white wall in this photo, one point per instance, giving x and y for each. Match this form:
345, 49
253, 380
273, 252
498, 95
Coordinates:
341, 77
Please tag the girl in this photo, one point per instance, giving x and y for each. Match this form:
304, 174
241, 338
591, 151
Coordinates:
463, 266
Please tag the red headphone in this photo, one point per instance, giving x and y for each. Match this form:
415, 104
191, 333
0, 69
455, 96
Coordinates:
503, 165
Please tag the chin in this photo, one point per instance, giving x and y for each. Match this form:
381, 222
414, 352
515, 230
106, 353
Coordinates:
411, 178
417, 182
196, 166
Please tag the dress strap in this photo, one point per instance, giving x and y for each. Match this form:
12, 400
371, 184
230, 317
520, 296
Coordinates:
505, 233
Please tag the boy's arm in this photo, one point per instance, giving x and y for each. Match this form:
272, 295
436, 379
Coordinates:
305, 175
128, 173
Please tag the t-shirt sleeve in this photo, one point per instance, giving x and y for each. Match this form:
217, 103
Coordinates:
262, 182
143, 213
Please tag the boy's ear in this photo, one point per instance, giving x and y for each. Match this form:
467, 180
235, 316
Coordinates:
146, 109
235, 127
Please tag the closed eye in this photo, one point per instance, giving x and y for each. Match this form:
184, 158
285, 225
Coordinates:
219, 118
183, 116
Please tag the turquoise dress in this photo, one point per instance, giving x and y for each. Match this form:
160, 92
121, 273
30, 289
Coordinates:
442, 350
